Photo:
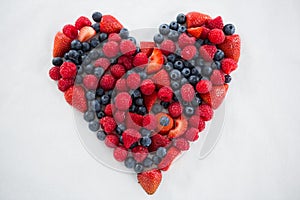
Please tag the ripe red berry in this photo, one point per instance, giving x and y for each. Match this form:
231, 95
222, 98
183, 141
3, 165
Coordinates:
123, 101
64, 84
90, 82
165, 94
182, 144
217, 77
107, 82
117, 71
70, 31
175, 109
114, 37
133, 81
68, 70
108, 110
192, 134
185, 40
203, 86
228, 65
149, 122
167, 47
207, 52
130, 136
188, 52
140, 60
147, 87
111, 141
111, 49
206, 112
108, 124
54, 73
140, 153
121, 85
119, 116
216, 36
81, 22
127, 47
187, 92
102, 62
120, 154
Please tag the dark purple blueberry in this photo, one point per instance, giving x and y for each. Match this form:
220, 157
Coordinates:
138, 168
146, 141
164, 29
94, 42
100, 115
76, 45
101, 135
102, 37
193, 79
181, 29
229, 29
186, 72
96, 27
158, 38
181, 18
173, 26
97, 16
189, 111
139, 101
219, 55
227, 78
165, 104
171, 58
57, 61
157, 108
178, 65
130, 162
124, 33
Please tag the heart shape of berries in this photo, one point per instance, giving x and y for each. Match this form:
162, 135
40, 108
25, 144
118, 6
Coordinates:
148, 100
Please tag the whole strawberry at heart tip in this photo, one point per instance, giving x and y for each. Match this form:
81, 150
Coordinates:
147, 100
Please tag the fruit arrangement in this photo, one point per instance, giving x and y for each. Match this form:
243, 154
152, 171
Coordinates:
146, 100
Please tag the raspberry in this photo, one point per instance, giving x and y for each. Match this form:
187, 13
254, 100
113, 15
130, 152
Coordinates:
228, 65
127, 47
111, 49
147, 87
137, 119
140, 153
185, 40
108, 110
121, 85
133, 81
140, 59
68, 70
216, 36
123, 101
126, 61
182, 144
130, 124
108, 124
175, 109
90, 82
54, 73
120, 154
114, 37
70, 31
207, 52
188, 52
187, 92
192, 134
64, 84
102, 62
203, 86
149, 122
217, 77
201, 125
130, 136
167, 47
165, 94
111, 141
117, 71
82, 21
158, 141
107, 82
194, 121
119, 116
215, 23
206, 112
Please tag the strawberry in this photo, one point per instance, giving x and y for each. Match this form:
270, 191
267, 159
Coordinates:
196, 19
62, 44
130, 124
158, 141
196, 32
156, 62
204, 33
86, 33
180, 127
215, 97
137, 119
215, 23
150, 180
75, 96
149, 100
172, 153
147, 47
110, 24
161, 78
231, 47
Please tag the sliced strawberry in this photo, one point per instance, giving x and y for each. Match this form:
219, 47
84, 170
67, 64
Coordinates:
161, 78
158, 141
216, 96
136, 118
196, 32
62, 44
147, 47
149, 100
110, 24
181, 125
172, 153
150, 180
86, 33
156, 62
196, 19
75, 96
231, 47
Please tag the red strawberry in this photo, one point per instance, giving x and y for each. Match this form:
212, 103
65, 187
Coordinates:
215, 97
137, 119
130, 124
204, 33
75, 96
207, 52
150, 180
215, 23
172, 153
161, 78
228, 65
86, 33
180, 127
120, 154
196, 32
158, 141
140, 153
62, 44
196, 19
231, 47
70, 31
149, 100
156, 62
110, 24
185, 40
147, 47
130, 136
82, 21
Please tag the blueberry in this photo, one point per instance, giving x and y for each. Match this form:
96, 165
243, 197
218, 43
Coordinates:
97, 16
90, 95
139, 101
96, 27
158, 38
200, 62
121, 139
216, 65
175, 98
138, 168
142, 74
66, 56
94, 126
100, 115
89, 116
164, 29
134, 145
161, 152
194, 79
195, 71
86, 59
130, 162
156, 159
175, 74
147, 162
145, 132
199, 43
105, 99
178, 65
175, 85
181, 29
168, 66
142, 110
219, 55
57, 61
227, 78
165, 104
94, 54
196, 102
186, 72
136, 94
78, 79
229, 29
183, 81
76, 45
99, 92
156, 108
102, 37
192, 63
146, 141
120, 129
178, 52
101, 135
73, 55
173, 25
171, 58
124, 33
85, 46
206, 71
94, 42
132, 39
173, 35
98, 71
89, 69
206, 41
132, 108
189, 111
164, 121
181, 18
95, 105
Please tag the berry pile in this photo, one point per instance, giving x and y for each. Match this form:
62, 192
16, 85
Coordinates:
147, 101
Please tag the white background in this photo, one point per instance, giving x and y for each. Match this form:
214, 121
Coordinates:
256, 158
